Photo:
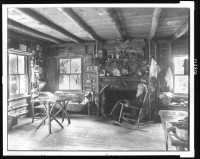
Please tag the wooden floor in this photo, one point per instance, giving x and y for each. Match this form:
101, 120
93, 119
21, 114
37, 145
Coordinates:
84, 133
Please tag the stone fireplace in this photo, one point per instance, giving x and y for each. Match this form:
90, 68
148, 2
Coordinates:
116, 89
113, 95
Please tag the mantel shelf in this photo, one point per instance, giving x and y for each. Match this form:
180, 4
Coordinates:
118, 77
117, 60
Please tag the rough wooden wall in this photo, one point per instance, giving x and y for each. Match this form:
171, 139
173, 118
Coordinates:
180, 47
20, 106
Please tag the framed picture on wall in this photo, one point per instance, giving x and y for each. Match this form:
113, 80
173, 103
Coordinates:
36, 68
40, 70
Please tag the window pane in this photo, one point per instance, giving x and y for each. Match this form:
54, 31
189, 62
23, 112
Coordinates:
63, 82
64, 66
14, 85
181, 84
75, 65
12, 64
75, 82
179, 64
21, 66
23, 84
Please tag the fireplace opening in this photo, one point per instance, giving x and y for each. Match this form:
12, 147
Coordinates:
112, 96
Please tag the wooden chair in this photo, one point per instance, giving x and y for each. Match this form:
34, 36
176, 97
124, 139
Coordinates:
37, 109
127, 109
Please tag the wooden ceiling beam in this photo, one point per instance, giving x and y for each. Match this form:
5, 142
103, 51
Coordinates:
181, 31
48, 23
154, 24
68, 12
23, 37
22, 28
116, 22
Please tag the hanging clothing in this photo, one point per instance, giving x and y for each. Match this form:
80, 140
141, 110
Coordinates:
169, 79
158, 69
153, 69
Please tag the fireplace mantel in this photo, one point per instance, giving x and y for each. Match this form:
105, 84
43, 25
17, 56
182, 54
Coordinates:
117, 84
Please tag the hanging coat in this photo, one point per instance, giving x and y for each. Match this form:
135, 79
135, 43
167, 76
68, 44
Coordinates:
169, 79
153, 69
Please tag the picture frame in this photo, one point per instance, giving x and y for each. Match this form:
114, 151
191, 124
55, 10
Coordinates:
40, 70
36, 68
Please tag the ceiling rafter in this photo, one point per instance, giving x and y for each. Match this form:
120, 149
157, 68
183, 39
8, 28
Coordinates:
48, 23
154, 24
116, 22
68, 12
22, 37
30, 31
181, 31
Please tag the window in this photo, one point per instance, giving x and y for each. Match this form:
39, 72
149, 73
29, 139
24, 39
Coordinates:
181, 74
70, 74
17, 74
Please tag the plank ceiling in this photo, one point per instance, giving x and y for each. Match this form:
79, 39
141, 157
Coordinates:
98, 23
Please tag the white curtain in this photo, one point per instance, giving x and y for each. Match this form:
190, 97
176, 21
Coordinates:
169, 78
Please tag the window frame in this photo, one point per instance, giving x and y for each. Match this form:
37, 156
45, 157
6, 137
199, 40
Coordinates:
81, 74
26, 73
175, 75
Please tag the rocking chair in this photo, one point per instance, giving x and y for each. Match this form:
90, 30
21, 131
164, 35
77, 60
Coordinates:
130, 111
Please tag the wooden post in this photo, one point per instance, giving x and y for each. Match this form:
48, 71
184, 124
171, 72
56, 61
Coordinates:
170, 55
156, 52
97, 89
149, 67
49, 116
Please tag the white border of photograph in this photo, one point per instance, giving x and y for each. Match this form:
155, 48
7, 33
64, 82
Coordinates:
190, 153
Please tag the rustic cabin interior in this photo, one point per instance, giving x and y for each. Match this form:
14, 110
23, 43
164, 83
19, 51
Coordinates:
98, 78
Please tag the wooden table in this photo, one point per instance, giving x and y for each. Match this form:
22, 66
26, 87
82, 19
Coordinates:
49, 104
176, 141
170, 116
63, 102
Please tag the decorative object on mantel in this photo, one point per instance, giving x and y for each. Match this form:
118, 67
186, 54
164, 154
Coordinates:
113, 56
116, 72
124, 72
102, 72
108, 74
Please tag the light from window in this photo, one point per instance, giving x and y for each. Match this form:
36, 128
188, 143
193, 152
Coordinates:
14, 85
70, 74
17, 74
180, 79
181, 84
179, 64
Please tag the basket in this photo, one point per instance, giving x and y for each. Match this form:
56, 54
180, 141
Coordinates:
182, 134
166, 101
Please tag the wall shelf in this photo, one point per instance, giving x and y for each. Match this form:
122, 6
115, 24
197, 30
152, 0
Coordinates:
111, 60
19, 52
118, 77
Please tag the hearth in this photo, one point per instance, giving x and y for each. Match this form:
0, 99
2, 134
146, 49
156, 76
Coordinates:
113, 94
